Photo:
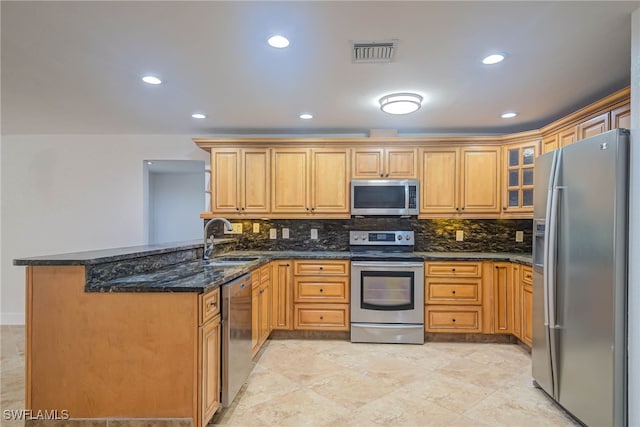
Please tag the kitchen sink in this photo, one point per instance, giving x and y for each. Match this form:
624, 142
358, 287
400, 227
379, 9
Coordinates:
228, 261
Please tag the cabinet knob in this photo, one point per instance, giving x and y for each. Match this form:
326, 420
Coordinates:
381, 175
504, 208
453, 292
313, 209
321, 267
306, 208
453, 320
387, 175
458, 209
453, 269
213, 304
463, 208
321, 290
321, 317
237, 209
242, 208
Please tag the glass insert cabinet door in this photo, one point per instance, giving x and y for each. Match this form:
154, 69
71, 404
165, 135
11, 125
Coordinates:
519, 161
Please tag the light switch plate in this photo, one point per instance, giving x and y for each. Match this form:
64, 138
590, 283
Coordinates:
256, 227
519, 236
273, 233
285, 233
459, 235
237, 228
314, 234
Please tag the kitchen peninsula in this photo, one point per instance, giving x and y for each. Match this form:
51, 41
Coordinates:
134, 332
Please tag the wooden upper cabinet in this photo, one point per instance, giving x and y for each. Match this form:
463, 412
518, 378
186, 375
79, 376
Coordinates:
594, 126
330, 180
289, 180
480, 183
518, 171
549, 143
462, 181
439, 180
310, 181
240, 181
384, 163
567, 136
621, 117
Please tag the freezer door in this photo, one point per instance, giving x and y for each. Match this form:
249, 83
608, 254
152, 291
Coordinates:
591, 280
541, 352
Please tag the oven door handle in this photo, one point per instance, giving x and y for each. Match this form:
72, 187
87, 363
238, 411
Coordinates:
380, 264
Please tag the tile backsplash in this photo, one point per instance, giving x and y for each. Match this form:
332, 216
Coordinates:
432, 235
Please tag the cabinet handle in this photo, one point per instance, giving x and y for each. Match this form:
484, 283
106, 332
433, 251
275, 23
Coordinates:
463, 208
242, 208
321, 317
321, 267
313, 209
237, 209
381, 175
286, 265
453, 269
453, 320
386, 175
458, 209
213, 304
453, 292
307, 209
321, 290
261, 291
504, 208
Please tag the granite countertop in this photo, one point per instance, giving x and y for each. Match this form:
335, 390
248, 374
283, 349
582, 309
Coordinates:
193, 276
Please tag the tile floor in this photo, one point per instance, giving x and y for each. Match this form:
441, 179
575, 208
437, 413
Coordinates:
336, 383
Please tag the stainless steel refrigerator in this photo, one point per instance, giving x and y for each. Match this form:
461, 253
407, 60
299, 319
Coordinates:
579, 352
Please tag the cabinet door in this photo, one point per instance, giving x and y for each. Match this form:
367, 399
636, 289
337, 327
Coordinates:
367, 163
265, 309
549, 143
254, 181
621, 117
282, 306
594, 126
289, 183
400, 163
439, 183
480, 180
209, 395
225, 186
518, 177
527, 314
330, 183
567, 136
502, 298
255, 312
517, 301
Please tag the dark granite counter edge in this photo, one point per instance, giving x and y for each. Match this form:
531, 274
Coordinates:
114, 254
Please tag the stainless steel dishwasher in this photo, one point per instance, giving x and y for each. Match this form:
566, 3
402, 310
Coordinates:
236, 337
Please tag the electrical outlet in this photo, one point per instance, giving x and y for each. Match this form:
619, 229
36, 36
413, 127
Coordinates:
256, 227
314, 234
237, 228
273, 233
519, 236
285, 233
459, 235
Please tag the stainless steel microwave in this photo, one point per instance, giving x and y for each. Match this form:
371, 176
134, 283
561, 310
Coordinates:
384, 197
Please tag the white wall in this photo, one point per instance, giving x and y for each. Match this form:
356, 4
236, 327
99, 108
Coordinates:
175, 203
67, 193
634, 232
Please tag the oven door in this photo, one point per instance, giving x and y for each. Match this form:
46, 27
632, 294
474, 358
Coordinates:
387, 292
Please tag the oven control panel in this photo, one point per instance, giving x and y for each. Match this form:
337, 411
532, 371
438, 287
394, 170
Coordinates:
400, 238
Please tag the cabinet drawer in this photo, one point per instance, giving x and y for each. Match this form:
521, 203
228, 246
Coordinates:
527, 275
265, 273
321, 289
336, 268
323, 317
453, 291
453, 319
453, 269
209, 306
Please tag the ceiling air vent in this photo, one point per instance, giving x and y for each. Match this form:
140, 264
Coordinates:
367, 52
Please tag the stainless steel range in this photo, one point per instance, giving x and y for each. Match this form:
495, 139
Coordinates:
387, 288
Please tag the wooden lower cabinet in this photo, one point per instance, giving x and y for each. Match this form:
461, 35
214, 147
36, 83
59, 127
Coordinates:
503, 298
321, 295
282, 294
527, 305
261, 307
209, 369
454, 294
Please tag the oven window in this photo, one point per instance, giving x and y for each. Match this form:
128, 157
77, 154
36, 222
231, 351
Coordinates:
379, 197
386, 290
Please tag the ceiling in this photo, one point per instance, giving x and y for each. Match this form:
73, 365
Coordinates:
76, 67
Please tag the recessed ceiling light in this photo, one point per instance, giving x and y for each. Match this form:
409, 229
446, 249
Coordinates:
508, 115
198, 116
278, 41
151, 80
493, 59
400, 103
306, 116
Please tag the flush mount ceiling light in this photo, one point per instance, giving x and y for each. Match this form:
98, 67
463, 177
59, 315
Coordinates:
400, 103
198, 116
151, 80
508, 115
493, 59
279, 42
306, 116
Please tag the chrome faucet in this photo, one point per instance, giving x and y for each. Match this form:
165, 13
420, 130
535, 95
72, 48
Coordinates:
208, 249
